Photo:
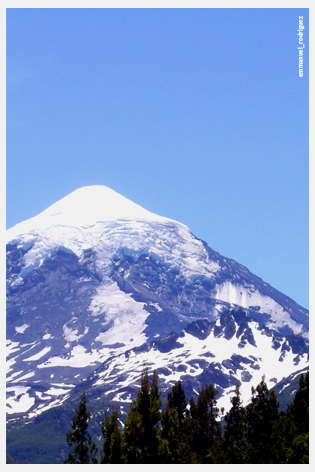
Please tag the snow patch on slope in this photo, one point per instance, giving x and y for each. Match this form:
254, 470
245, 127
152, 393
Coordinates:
124, 316
21, 401
195, 354
78, 357
21, 329
37, 356
247, 297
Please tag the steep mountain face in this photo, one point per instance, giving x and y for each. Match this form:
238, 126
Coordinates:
98, 288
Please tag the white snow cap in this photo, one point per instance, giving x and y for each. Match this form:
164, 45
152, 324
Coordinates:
86, 206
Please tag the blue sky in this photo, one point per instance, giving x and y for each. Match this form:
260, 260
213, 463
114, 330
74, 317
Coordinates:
195, 114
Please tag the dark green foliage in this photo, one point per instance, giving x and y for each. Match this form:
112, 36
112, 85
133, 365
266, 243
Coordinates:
42, 441
83, 448
205, 426
261, 417
297, 422
177, 401
298, 452
193, 434
141, 432
234, 440
169, 441
301, 405
173, 418
112, 447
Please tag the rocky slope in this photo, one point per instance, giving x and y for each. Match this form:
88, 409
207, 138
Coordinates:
98, 288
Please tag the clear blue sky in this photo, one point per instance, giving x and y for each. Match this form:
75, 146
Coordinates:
196, 114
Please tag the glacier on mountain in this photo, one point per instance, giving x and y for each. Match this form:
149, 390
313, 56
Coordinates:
98, 287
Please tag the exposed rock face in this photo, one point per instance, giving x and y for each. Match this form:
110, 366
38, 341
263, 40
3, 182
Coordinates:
98, 288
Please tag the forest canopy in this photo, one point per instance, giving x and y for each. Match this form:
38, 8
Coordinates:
195, 431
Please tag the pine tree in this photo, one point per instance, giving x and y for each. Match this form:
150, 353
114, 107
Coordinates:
83, 448
177, 401
153, 430
112, 446
298, 452
301, 405
169, 442
187, 454
261, 418
297, 416
133, 434
141, 430
172, 420
206, 428
234, 442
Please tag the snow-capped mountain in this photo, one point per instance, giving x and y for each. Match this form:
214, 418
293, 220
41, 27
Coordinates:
98, 288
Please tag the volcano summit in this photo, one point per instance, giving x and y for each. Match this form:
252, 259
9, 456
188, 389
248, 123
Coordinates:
99, 288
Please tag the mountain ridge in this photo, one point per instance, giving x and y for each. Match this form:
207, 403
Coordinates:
88, 294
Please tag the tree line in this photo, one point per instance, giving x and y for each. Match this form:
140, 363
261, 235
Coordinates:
193, 432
